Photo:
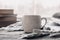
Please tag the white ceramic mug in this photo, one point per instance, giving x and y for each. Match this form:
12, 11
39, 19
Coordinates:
31, 22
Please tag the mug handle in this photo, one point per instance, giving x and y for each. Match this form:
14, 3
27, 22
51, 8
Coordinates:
45, 22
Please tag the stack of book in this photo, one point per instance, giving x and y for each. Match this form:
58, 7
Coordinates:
7, 17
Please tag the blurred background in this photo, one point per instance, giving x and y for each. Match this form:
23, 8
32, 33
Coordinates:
44, 8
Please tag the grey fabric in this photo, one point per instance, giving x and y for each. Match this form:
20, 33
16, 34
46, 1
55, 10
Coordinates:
56, 15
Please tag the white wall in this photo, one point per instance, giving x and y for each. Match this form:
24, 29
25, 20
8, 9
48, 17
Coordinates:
36, 7
48, 7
